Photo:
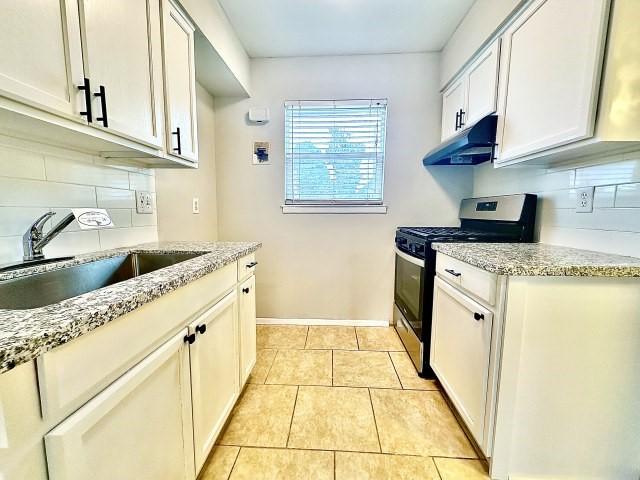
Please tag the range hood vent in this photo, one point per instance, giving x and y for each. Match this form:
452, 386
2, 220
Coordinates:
469, 147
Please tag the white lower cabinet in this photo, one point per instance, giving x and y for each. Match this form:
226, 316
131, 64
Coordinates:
460, 353
215, 374
247, 322
137, 428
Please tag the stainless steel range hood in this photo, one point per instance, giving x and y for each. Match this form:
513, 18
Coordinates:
470, 147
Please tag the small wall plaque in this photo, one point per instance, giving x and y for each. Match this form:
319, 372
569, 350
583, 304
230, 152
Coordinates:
261, 153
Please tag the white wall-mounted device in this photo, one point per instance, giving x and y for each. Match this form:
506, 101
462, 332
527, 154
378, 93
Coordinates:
259, 115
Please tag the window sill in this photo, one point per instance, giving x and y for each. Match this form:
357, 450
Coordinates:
333, 209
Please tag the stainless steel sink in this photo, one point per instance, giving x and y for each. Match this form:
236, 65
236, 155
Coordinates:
32, 263
38, 290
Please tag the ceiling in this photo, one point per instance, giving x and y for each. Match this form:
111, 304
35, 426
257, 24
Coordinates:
285, 28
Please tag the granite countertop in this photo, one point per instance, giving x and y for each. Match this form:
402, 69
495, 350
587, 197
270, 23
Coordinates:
537, 259
27, 334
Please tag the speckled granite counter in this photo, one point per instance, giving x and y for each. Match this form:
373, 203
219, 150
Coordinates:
536, 259
27, 334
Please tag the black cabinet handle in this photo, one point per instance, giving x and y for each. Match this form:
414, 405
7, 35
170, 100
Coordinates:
179, 147
201, 329
102, 94
478, 316
452, 272
190, 338
251, 265
462, 114
457, 120
245, 290
86, 88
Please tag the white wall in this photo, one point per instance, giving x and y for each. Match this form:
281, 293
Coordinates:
35, 179
177, 187
482, 20
333, 266
614, 225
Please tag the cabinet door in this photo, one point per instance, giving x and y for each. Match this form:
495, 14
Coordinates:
552, 63
460, 349
247, 314
452, 102
214, 372
121, 40
179, 75
482, 85
41, 57
137, 428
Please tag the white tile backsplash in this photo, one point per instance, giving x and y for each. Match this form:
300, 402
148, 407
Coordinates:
69, 171
614, 224
628, 196
36, 178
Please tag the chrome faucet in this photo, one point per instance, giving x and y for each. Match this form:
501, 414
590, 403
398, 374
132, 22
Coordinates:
34, 240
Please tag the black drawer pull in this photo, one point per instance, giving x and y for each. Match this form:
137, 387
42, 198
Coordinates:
179, 147
201, 329
251, 265
478, 316
452, 272
86, 88
190, 338
102, 94
245, 290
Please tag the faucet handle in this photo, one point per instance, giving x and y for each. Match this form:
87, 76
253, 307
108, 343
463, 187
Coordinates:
37, 226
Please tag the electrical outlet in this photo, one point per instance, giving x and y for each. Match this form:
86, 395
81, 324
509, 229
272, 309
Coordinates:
196, 205
144, 202
584, 200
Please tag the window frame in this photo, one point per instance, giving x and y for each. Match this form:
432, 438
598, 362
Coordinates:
334, 205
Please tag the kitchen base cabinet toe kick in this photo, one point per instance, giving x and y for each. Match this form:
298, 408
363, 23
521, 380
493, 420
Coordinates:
547, 374
152, 410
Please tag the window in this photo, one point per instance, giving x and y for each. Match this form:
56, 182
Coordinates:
334, 152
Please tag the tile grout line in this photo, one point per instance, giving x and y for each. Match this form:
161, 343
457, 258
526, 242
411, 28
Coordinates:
392, 454
396, 370
334, 465
295, 402
306, 338
437, 469
270, 367
357, 339
235, 460
375, 422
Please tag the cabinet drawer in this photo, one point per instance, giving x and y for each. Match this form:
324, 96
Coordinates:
73, 373
478, 282
246, 266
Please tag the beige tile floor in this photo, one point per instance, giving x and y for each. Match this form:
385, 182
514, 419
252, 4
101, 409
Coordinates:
339, 403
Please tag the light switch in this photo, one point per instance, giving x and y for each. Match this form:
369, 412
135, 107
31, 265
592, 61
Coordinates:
196, 205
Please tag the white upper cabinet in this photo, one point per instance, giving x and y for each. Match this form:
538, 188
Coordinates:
473, 94
137, 428
550, 76
41, 58
482, 85
121, 41
179, 81
215, 373
453, 99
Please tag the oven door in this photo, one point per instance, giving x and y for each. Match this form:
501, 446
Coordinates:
408, 294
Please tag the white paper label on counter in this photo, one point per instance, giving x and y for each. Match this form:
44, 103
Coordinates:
91, 218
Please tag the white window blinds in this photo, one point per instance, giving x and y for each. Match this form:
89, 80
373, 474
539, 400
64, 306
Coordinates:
334, 151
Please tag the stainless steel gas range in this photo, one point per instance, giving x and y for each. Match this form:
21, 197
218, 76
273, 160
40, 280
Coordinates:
508, 218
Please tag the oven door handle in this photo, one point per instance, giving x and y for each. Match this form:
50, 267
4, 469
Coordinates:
405, 256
